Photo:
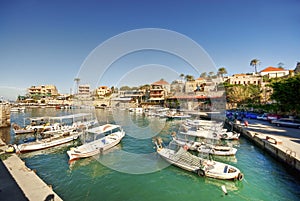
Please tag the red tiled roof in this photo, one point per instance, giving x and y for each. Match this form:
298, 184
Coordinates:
160, 82
271, 69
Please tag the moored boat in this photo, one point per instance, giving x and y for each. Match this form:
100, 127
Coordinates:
180, 157
48, 142
201, 147
43, 124
103, 138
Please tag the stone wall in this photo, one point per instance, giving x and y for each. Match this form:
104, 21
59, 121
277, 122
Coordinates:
4, 115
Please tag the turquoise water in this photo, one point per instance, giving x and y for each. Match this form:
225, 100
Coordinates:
89, 179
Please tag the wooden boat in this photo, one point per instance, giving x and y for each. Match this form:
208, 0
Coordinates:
177, 116
218, 150
48, 142
43, 124
180, 157
58, 133
210, 133
104, 138
17, 109
201, 123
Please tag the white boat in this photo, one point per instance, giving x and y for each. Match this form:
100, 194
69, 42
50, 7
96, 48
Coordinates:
201, 123
42, 124
17, 109
48, 142
29, 128
103, 138
218, 150
203, 167
138, 110
177, 116
210, 133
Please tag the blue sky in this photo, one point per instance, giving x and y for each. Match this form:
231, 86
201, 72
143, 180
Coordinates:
46, 42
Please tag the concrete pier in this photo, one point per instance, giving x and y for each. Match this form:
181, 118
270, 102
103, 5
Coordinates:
282, 143
28, 181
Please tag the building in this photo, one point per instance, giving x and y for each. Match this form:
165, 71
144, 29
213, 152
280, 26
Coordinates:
177, 86
201, 85
244, 79
195, 85
102, 91
272, 72
84, 90
43, 91
159, 91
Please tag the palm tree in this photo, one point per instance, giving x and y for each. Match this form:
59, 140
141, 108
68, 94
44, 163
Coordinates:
210, 74
189, 78
203, 75
254, 63
182, 76
280, 65
222, 71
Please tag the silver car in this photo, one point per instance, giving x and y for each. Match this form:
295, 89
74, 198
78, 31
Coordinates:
287, 122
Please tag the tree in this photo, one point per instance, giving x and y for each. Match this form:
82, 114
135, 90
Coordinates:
112, 89
254, 63
280, 65
211, 74
286, 92
242, 94
203, 75
125, 88
189, 78
144, 87
182, 76
222, 71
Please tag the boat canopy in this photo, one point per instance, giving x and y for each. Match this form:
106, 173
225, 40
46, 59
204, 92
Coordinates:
103, 128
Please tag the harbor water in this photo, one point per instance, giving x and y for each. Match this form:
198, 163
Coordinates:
133, 171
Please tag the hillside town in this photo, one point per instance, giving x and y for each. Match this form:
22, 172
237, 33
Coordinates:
187, 92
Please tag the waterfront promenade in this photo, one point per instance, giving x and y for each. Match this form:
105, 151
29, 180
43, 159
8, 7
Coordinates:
18, 182
281, 142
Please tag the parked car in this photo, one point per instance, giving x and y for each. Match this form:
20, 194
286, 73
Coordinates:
251, 115
271, 117
287, 122
262, 117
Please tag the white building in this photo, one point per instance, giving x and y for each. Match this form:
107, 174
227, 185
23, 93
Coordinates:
273, 72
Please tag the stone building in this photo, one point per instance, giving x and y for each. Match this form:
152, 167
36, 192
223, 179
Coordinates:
43, 91
244, 79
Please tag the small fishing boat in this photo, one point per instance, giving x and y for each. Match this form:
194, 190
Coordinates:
43, 124
201, 123
210, 133
17, 109
48, 141
30, 128
103, 138
180, 157
177, 116
201, 147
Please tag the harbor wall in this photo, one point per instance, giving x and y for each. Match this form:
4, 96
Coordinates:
4, 115
270, 144
33, 187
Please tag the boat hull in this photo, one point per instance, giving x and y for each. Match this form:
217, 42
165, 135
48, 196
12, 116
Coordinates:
200, 166
44, 144
75, 156
98, 145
